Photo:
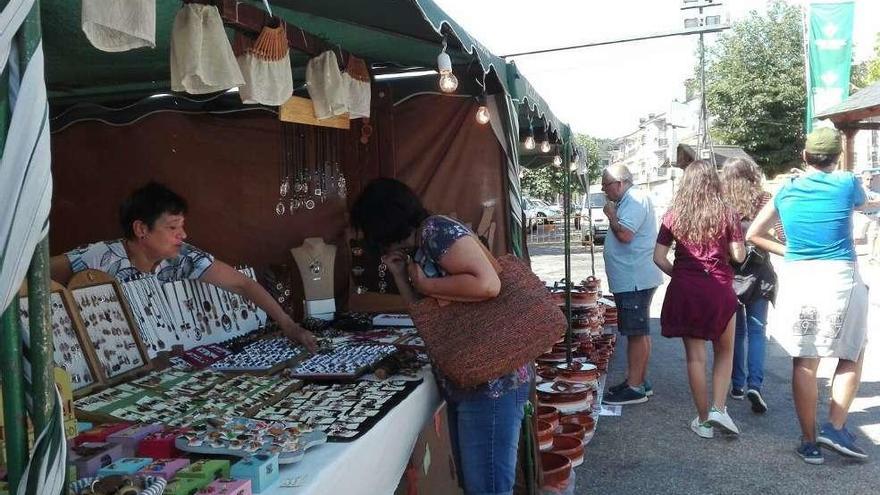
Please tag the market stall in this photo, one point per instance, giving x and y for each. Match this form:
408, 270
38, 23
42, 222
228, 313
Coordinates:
262, 179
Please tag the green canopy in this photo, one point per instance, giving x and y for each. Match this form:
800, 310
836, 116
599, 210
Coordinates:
396, 33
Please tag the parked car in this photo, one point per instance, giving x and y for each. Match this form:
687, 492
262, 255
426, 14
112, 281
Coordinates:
593, 211
539, 210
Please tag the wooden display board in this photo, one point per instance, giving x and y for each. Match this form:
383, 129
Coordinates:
72, 348
109, 324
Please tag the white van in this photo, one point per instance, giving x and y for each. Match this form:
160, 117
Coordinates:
593, 209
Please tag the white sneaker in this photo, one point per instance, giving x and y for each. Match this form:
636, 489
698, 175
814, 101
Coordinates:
702, 429
720, 419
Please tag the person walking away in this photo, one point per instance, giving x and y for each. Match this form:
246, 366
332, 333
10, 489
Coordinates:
632, 277
754, 282
700, 304
437, 256
822, 306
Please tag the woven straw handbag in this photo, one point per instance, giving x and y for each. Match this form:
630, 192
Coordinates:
474, 342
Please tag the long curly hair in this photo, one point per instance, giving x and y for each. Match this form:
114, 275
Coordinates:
741, 184
698, 211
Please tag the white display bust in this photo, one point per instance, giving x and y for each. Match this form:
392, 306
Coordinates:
315, 262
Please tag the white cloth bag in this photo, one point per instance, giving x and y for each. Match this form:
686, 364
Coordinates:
201, 56
357, 97
119, 25
326, 86
267, 82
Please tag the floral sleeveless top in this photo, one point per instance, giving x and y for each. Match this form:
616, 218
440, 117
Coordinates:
438, 234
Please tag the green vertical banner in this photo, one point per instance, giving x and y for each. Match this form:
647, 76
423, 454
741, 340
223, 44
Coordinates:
829, 48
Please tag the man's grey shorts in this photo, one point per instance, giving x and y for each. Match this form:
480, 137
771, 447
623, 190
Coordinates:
634, 311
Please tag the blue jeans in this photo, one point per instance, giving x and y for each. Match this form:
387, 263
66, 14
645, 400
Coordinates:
485, 439
751, 321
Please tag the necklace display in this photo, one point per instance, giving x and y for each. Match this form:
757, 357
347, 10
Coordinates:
310, 170
189, 312
108, 329
345, 362
67, 348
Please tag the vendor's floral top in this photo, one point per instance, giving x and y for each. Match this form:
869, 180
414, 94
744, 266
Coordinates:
111, 257
438, 234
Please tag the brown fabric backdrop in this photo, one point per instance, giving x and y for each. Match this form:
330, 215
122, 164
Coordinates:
227, 167
451, 161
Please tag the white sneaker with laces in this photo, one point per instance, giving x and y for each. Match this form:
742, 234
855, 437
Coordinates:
702, 429
720, 419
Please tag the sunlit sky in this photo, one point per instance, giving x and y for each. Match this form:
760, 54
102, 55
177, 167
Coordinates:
602, 91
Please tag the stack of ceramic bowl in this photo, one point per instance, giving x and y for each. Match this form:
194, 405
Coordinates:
582, 421
578, 372
556, 472
566, 397
610, 311
603, 348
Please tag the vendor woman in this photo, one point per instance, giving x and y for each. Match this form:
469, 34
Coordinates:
152, 221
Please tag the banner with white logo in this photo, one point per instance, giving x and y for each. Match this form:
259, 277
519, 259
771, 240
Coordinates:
829, 50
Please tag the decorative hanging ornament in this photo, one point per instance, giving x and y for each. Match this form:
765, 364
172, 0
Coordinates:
482, 115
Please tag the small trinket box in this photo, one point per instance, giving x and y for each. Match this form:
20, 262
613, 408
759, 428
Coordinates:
227, 487
183, 486
165, 468
261, 469
99, 433
160, 445
206, 471
89, 457
125, 466
130, 438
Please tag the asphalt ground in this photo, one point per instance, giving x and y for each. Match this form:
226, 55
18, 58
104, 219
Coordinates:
650, 449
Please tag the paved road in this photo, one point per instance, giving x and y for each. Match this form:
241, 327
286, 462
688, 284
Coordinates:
649, 449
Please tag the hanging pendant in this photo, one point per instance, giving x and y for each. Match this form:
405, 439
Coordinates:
316, 269
285, 187
310, 204
279, 208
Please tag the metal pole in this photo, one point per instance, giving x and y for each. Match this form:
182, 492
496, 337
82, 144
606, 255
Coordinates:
40, 352
13, 395
566, 159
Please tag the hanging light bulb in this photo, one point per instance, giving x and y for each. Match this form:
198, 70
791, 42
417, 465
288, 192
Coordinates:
482, 115
448, 81
574, 161
573, 166
545, 146
557, 160
529, 143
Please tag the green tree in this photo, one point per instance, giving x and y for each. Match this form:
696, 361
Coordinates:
868, 71
755, 86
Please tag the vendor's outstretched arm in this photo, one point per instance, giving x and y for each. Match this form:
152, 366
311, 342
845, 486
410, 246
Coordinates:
226, 277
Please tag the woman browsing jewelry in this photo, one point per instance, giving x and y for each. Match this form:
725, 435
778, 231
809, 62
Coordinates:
152, 221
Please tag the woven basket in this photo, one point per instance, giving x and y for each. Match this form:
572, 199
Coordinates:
475, 342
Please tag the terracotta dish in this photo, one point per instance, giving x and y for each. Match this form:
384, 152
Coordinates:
556, 469
570, 447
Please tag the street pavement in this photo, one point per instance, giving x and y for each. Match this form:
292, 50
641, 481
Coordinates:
650, 449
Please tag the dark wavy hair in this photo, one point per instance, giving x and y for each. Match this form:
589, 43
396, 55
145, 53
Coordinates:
387, 211
147, 204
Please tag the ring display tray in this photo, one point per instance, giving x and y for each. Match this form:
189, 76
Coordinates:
244, 437
72, 349
266, 355
346, 362
109, 324
344, 411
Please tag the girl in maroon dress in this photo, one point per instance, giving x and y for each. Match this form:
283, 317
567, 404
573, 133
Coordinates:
700, 304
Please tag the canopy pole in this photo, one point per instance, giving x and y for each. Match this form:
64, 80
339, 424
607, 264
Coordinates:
13, 395
566, 159
40, 352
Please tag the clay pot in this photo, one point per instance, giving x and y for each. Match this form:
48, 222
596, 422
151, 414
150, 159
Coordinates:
592, 282
584, 420
572, 430
555, 468
551, 358
547, 372
578, 372
570, 447
563, 392
545, 435
549, 414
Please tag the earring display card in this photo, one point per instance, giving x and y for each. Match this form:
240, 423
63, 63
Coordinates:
262, 355
343, 411
244, 437
67, 341
346, 362
109, 329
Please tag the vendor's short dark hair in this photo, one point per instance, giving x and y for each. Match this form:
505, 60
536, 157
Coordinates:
387, 211
821, 160
147, 204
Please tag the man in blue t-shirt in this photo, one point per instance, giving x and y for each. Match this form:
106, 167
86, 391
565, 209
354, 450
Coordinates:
632, 277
